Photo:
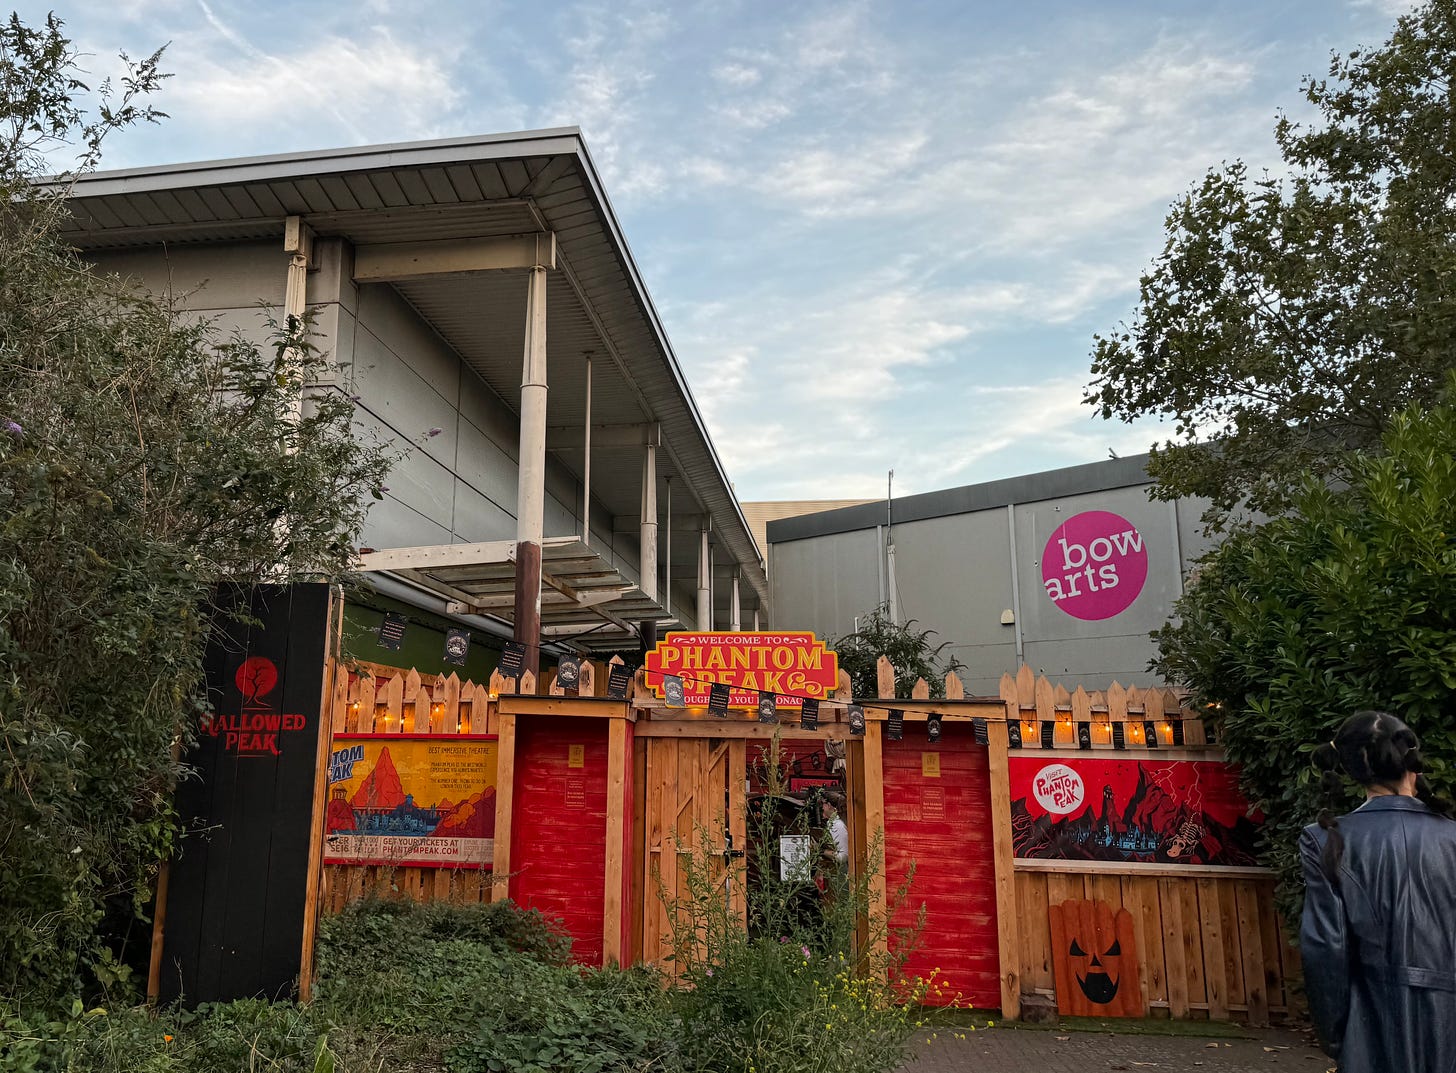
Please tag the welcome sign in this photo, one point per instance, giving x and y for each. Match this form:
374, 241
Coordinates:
791, 665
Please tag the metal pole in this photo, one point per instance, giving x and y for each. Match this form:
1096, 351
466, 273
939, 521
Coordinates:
647, 536
705, 606
531, 486
586, 465
1015, 584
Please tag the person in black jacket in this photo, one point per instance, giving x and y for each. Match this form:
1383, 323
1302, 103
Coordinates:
1378, 936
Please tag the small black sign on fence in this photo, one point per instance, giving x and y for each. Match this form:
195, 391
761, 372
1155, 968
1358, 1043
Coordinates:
809, 715
457, 646
618, 679
391, 631
1150, 734
856, 720
895, 725
1177, 732
1048, 734
981, 731
568, 672
718, 699
1013, 733
932, 728
513, 660
1119, 736
768, 708
672, 690
1084, 734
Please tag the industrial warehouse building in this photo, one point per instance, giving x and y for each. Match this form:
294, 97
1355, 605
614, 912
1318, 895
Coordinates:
1067, 571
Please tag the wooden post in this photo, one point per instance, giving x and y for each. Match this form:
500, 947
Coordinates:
612, 953
323, 741
874, 781
1004, 856
505, 782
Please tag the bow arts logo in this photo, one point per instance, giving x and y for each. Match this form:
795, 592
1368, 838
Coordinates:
257, 728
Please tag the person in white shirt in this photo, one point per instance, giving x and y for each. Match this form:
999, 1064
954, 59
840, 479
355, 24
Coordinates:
829, 807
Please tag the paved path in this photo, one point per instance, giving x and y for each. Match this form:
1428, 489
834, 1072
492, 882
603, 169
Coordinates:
1019, 1050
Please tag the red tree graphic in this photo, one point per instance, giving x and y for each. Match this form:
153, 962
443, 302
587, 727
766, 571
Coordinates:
256, 678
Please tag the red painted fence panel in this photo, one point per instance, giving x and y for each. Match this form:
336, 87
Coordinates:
942, 823
559, 826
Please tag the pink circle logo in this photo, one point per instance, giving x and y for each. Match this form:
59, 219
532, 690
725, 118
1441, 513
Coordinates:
1094, 566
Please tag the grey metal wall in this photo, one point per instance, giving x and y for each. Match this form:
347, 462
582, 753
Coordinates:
955, 576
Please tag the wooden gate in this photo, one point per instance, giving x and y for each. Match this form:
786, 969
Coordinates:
693, 809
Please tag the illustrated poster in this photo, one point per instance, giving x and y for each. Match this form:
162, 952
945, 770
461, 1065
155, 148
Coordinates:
1130, 811
411, 800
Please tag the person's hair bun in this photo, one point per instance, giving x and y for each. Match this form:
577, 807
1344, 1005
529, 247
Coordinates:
1327, 758
1414, 761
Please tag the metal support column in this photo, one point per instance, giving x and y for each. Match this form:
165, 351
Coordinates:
531, 487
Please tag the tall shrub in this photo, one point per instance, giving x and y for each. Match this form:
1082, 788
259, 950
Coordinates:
1347, 602
143, 459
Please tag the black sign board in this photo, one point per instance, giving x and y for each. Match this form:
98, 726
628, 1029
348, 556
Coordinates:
895, 725
235, 902
1013, 733
1119, 736
568, 672
391, 631
981, 732
1084, 734
618, 679
768, 709
1177, 732
809, 716
932, 728
1150, 734
457, 646
512, 660
856, 720
672, 690
1048, 734
718, 699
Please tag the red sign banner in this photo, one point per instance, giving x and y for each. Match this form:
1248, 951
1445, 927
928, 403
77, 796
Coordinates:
1130, 811
792, 666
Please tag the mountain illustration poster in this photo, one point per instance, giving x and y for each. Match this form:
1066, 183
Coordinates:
1131, 811
411, 800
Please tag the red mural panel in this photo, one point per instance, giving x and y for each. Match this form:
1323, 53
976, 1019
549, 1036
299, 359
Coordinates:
1131, 811
942, 825
559, 826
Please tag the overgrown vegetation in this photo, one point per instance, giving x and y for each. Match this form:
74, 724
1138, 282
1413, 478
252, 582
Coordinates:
144, 458
441, 988
1291, 316
774, 980
912, 652
1346, 602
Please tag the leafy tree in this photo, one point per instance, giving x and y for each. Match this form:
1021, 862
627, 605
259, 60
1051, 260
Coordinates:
910, 650
1346, 602
1289, 318
143, 459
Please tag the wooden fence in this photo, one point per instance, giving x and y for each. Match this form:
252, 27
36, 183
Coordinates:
373, 698
1209, 939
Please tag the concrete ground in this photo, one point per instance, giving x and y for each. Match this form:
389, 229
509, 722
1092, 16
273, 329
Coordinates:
1039, 1050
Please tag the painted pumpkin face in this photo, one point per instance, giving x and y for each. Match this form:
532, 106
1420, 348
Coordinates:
1099, 971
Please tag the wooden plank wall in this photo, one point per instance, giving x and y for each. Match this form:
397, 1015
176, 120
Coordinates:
1208, 947
371, 698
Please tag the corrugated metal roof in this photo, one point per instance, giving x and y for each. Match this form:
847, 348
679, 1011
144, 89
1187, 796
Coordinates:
455, 188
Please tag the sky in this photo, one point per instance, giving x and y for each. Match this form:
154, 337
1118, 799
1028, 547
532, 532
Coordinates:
881, 235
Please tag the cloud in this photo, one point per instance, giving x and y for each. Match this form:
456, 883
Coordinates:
372, 86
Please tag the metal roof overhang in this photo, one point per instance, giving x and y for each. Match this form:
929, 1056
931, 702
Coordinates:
584, 599
470, 188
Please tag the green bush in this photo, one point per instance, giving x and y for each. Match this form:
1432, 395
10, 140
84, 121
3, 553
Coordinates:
811, 981
1348, 602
